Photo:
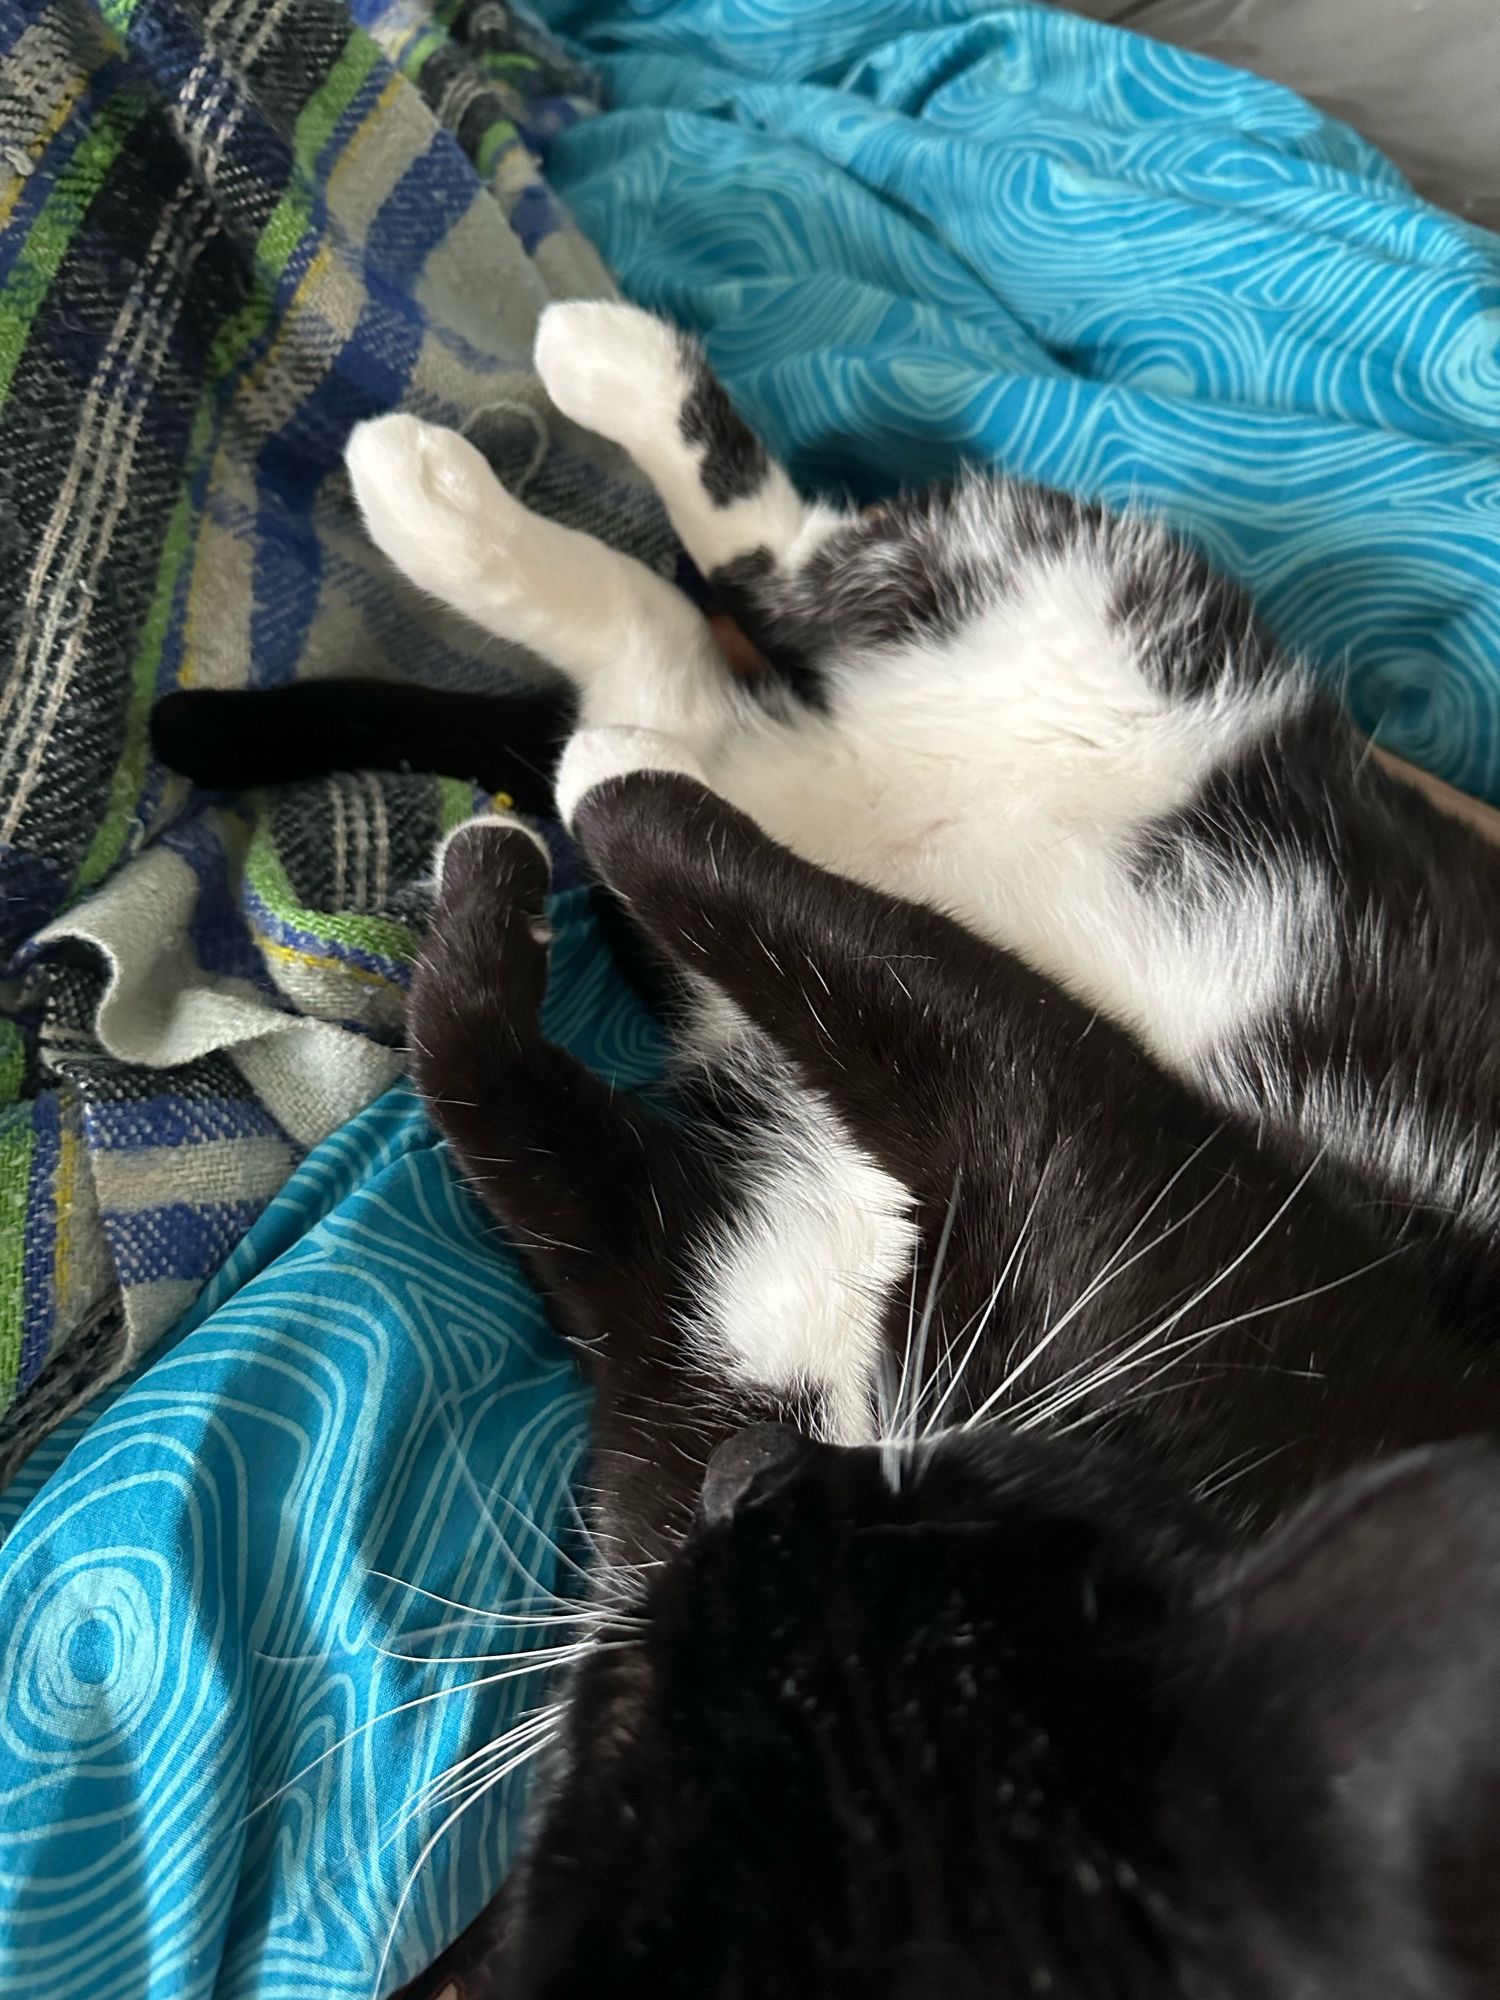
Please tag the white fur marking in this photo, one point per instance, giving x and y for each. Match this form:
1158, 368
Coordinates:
594, 755
795, 1293
619, 632
511, 822
621, 372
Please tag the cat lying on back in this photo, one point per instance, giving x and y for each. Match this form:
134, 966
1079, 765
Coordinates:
1052, 722
1034, 1557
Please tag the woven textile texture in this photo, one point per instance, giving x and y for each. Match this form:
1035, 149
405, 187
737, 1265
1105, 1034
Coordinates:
227, 233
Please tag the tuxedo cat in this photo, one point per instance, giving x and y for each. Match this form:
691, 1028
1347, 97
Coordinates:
1053, 722
1007, 1584
1031, 1341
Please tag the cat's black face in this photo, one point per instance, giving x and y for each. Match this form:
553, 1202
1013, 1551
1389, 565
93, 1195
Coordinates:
991, 1722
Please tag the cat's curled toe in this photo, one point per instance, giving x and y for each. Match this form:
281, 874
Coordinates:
484, 845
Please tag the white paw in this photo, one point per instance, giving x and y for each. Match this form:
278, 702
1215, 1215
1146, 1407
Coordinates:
612, 368
594, 755
429, 500
511, 822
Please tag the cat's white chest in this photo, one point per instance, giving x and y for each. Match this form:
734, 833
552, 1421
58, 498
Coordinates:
795, 1289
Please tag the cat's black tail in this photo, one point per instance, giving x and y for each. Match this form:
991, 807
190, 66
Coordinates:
231, 739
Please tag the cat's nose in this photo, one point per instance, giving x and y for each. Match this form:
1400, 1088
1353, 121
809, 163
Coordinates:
742, 1461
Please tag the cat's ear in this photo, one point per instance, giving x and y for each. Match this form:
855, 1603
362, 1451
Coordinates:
1363, 1668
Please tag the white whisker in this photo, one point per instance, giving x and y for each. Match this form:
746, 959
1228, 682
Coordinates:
580, 1616
489, 1783
1059, 1326
1167, 1356
1112, 1269
888, 1407
448, 1781
541, 1655
513, 1561
1173, 1352
416, 1701
988, 1310
1227, 1475
907, 1419
554, 1548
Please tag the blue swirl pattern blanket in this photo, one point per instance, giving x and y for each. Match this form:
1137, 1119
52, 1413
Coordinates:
917, 230
238, 1641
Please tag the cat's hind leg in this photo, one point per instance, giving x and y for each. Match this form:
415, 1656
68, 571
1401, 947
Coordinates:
635, 380
789, 946
637, 650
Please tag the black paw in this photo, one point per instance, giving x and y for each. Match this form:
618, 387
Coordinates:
497, 860
482, 972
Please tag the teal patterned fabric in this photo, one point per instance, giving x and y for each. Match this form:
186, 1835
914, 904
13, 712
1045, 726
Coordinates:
915, 230
194, 1604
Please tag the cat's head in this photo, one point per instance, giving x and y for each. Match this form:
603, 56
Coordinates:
996, 1726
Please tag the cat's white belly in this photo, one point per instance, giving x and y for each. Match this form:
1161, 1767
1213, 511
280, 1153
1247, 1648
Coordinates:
950, 781
1004, 772
1010, 789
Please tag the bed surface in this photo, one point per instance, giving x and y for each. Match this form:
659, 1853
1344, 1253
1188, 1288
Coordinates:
910, 231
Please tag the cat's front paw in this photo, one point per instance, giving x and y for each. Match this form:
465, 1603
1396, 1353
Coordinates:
482, 969
477, 844
428, 499
594, 756
497, 862
612, 368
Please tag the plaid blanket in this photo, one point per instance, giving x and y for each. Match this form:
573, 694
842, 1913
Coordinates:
227, 233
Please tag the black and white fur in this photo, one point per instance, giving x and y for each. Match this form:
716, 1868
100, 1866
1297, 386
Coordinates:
1055, 723
1080, 1182
1103, 1649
